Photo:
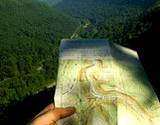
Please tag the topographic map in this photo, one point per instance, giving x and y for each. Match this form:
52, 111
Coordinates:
106, 83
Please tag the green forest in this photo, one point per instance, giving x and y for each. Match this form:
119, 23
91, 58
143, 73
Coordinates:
29, 39
31, 30
97, 11
117, 20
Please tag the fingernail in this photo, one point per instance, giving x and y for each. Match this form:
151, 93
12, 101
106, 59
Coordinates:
71, 109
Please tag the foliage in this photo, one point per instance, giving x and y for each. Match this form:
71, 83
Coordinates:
119, 21
30, 32
97, 11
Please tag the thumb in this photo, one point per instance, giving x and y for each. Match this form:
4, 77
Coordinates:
52, 116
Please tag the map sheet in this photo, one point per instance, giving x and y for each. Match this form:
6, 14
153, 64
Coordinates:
106, 83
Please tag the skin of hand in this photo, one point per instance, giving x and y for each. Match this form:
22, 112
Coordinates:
50, 115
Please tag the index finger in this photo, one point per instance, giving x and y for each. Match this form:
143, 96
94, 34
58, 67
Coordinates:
46, 109
54, 115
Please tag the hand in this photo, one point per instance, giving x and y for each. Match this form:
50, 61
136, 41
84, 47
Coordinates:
50, 115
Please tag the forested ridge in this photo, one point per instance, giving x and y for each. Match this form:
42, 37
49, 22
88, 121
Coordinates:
99, 10
30, 32
117, 20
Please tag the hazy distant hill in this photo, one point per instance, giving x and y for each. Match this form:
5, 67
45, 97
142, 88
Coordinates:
116, 20
102, 1
98, 10
51, 2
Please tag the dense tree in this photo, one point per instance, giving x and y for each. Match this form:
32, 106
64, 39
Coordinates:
98, 11
117, 20
30, 32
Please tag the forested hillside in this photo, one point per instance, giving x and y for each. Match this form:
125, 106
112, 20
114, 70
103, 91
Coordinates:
98, 10
51, 2
30, 32
117, 20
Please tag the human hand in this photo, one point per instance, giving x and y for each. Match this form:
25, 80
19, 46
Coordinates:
50, 115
